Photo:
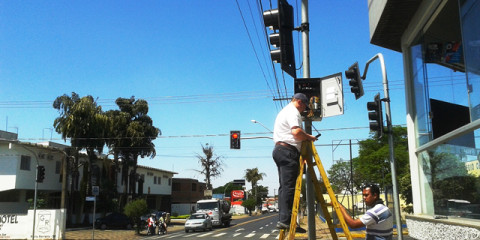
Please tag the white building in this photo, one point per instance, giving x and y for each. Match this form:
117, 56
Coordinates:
18, 164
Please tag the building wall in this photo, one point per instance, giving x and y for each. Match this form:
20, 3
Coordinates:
185, 190
441, 50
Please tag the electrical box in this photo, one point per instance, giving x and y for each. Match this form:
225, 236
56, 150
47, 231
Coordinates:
325, 96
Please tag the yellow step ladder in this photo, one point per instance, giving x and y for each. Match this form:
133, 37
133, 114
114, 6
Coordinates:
308, 150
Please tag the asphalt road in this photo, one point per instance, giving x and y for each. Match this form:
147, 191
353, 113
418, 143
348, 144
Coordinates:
255, 227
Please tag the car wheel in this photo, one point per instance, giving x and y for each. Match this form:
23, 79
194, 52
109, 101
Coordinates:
186, 230
103, 226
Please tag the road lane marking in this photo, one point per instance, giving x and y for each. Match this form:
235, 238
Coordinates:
265, 235
250, 235
219, 235
236, 234
206, 234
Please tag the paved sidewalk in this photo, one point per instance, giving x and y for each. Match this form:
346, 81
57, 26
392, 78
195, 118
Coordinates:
117, 234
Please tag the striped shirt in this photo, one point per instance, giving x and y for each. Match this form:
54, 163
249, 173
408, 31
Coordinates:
379, 222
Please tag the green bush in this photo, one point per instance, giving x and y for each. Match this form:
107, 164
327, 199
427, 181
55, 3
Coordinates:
135, 209
180, 217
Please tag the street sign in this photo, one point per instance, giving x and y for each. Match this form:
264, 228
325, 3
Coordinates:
90, 199
95, 190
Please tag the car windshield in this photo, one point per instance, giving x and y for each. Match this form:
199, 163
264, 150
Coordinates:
198, 216
207, 205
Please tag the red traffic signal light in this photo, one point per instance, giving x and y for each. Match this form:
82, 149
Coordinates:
234, 139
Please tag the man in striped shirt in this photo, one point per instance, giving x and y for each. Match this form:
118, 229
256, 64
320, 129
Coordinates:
378, 219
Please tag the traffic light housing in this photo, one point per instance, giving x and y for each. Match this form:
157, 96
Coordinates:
234, 139
281, 21
353, 73
375, 115
40, 173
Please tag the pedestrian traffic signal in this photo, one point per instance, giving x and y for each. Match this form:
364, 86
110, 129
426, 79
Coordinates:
353, 73
281, 20
234, 139
40, 173
375, 115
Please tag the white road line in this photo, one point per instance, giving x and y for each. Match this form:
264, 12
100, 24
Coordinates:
261, 227
240, 229
173, 235
236, 234
191, 235
219, 235
206, 234
265, 235
250, 235
278, 236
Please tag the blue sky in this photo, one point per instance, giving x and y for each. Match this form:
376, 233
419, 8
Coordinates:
201, 70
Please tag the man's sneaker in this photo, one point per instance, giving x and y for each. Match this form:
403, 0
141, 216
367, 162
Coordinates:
282, 225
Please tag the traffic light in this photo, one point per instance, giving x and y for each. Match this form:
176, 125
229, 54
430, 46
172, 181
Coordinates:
40, 173
353, 73
375, 115
281, 21
234, 139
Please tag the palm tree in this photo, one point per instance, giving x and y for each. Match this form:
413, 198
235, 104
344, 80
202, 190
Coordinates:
211, 165
253, 176
132, 134
84, 123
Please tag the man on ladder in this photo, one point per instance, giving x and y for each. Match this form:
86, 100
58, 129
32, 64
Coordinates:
288, 136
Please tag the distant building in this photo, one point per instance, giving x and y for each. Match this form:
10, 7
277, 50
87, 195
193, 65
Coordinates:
185, 194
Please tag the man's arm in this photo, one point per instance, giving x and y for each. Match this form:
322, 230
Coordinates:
353, 223
300, 134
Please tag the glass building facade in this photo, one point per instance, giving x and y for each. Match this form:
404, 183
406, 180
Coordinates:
441, 49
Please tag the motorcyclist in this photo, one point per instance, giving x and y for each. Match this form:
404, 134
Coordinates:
151, 224
162, 224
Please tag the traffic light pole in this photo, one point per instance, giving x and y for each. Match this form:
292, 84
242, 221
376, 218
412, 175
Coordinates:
396, 201
308, 122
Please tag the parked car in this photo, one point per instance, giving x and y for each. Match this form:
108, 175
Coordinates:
114, 220
198, 221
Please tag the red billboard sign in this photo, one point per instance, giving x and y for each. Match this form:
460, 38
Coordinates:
237, 194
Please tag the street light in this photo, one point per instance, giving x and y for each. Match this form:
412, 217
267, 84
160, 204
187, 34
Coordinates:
255, 121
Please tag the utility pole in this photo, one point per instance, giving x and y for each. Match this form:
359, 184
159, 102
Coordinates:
308, 122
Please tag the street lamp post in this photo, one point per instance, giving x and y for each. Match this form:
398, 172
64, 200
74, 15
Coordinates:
396, 201
255, 121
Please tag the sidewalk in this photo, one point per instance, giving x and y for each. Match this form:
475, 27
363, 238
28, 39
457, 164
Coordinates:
117, 234
323, 232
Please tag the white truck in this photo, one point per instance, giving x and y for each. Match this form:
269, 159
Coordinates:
217, 209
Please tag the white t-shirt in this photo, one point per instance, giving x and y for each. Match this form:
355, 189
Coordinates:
287, 118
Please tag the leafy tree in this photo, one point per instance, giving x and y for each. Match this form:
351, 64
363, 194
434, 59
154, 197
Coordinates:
372, 164
339, 176
84, 123
252, 175
135, 209
249, 204
227, 188
211, 164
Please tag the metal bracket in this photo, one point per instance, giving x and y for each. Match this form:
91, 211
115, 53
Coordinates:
304, 27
